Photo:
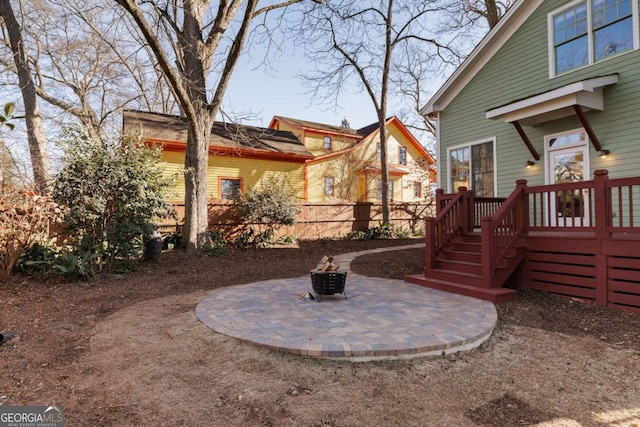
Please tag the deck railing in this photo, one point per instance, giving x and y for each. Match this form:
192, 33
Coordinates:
501, 231
603, 206
485, 206
624, 207
452, 219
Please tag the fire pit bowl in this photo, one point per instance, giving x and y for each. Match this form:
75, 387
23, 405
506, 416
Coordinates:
328, 283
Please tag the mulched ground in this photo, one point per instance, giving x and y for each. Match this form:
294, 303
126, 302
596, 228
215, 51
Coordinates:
53, 321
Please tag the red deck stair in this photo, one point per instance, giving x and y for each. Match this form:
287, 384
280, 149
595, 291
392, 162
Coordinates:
459, 268
462, 261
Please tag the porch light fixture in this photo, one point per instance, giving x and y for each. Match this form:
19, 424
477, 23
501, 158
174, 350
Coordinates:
530, 163
604, 154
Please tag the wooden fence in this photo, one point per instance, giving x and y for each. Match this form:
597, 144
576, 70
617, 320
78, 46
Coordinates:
331, 219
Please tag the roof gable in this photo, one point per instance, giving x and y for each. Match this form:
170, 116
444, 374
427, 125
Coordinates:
481, 55
369, 132
314, 126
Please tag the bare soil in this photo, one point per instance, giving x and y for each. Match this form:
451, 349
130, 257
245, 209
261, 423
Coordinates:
127, 350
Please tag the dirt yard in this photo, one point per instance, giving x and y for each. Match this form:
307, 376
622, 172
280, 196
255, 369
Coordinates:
129, 351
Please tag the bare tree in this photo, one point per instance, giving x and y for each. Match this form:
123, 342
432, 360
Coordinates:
86, 63
36, 136
197, 46
467, 13
418, 73
359, 43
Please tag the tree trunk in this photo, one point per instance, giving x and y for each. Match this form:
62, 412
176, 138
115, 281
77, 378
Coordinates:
384, 170
382, 114
36, 136
196, 164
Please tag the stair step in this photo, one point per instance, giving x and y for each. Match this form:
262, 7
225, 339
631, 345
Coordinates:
458, 277
469, 237
475, 247
495, 295
459, 266
450, 254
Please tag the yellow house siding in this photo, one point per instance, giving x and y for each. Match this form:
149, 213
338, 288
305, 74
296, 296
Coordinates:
251, 171
403, 188
174, 166
347, 172
314, 141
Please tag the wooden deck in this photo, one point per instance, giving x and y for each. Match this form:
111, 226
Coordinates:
579, 239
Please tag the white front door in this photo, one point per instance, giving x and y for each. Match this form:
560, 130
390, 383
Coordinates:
568, 161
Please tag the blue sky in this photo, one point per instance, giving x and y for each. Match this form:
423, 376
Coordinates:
267, 93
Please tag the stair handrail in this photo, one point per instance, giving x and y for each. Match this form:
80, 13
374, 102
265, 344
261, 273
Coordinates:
442, 228
502, 231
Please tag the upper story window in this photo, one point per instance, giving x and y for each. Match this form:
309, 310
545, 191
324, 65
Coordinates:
379, 152
588, 31
402, 156
326, 143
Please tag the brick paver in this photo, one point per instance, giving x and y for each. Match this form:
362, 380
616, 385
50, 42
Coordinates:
381, 319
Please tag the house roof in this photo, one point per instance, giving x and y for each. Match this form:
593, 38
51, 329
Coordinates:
314, 126
225, 136
481, 55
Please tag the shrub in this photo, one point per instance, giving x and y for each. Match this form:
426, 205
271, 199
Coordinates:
114, 192
25, 221
271, 203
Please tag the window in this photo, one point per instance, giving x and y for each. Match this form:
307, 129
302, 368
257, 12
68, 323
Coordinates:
230, 188
328, 185
417, 189
326, 143
402, 156
379, 152
389, 192
472, 166
589, 31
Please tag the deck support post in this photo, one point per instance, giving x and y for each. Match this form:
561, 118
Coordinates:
465, 219
430, 244
488, 261
602, 200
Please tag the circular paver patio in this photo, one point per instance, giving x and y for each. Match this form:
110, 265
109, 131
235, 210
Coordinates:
381, 319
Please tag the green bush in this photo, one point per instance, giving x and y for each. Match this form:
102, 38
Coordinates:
271, 203
76, 265
114, 193
38, 259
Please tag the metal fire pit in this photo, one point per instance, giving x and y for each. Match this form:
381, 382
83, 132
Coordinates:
328, 283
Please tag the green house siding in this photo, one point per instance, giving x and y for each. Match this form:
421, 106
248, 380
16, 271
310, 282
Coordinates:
520, 69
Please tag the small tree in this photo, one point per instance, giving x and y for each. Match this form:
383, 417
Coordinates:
113, 190
271, 203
